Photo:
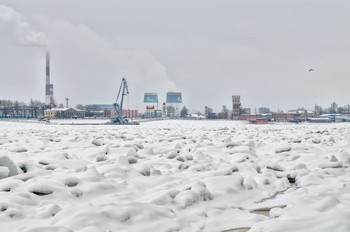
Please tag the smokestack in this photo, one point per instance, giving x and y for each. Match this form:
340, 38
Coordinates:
47, 70
49, 99
47, 84
67, 102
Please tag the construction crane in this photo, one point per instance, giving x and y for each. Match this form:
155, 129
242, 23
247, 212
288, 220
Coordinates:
119, 119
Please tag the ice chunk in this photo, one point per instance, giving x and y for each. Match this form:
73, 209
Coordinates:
172, 154
232, 144
101, 157
198, 192
333, 159
97, 142
4, 172
145, 171
133, 153
71, 181
139, 145
331, 139
123, 160
5, 161
13, 213
132, 159
219, 185
183, 166
275, 167
330, 165
42, 191
299, 166
249, 183
180, 158
48, 209
283, 149
178, 146
156, 172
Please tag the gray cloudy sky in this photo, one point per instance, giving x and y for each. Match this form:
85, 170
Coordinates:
207, 49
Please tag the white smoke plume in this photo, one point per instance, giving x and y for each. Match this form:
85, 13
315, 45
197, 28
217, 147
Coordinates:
14, 28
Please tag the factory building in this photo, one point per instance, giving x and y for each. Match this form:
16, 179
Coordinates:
126, 113
284, 117
173, 101
64, 113
151, 101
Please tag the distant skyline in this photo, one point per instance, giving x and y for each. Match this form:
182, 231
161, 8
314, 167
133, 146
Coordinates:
208, 50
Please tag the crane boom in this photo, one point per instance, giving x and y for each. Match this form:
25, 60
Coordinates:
123, 91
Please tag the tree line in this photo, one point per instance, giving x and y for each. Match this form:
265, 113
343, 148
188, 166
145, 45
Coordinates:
19, 109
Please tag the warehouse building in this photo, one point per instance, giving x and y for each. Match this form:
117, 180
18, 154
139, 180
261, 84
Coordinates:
64, 113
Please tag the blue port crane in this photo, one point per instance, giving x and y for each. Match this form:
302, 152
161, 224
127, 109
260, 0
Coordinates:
123, 91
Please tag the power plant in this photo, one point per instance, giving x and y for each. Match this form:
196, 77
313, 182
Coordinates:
49, 98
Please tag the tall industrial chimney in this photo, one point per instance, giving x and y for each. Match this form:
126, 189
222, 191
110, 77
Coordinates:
49, 98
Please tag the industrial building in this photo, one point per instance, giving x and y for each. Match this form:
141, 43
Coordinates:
107, 113
285, 117
264, 110
173, 101
64, 113
99, 110
151, 101
236, 107
169, 108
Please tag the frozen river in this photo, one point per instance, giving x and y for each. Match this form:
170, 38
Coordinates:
175, 176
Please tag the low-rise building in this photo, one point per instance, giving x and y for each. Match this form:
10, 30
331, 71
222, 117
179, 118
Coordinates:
223, 115
284, 117
126, 113
131, 113
249, 117
64, 113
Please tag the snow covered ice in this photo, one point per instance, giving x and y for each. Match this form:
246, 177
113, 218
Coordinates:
175, 176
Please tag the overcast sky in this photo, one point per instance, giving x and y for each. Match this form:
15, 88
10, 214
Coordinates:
208, 50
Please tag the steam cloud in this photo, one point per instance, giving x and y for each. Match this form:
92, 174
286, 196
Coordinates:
13, 25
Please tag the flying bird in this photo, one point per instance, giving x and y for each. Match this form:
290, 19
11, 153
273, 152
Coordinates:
311, 70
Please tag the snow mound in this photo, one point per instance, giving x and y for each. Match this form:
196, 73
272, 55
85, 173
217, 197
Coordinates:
4, 141
197, 192
118, 217
330, 165
220, 185
19, 149
48, 229
41, 190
